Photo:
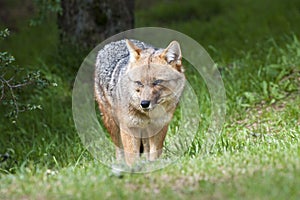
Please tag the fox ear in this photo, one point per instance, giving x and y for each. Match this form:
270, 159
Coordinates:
172, 54
134, 51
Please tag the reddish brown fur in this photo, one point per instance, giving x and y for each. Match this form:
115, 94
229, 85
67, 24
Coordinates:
125, 122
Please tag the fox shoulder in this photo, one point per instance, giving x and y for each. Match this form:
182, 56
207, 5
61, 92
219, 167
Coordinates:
112, 60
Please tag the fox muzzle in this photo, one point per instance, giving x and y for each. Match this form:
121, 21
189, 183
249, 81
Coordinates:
145, 104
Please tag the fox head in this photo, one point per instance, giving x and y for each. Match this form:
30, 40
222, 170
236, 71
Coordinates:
155, 77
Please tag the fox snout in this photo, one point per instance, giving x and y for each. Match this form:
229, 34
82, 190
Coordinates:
145, 104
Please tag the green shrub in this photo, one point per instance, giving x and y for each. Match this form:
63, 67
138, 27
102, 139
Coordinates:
16, 84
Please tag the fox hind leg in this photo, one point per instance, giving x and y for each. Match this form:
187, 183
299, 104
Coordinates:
146, 147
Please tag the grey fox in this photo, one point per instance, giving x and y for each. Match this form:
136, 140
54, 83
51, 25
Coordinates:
137, 87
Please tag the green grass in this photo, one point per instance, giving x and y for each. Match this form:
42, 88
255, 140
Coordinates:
227, 29
258, 155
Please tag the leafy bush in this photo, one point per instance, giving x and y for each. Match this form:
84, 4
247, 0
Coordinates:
16, 83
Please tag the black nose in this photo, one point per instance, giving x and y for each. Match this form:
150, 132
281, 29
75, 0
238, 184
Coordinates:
145, 104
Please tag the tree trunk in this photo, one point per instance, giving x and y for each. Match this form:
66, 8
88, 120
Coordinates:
88, 22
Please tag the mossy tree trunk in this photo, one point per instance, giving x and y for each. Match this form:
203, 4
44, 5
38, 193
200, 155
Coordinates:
88, 22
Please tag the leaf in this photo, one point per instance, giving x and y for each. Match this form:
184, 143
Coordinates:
250, 96
265, 88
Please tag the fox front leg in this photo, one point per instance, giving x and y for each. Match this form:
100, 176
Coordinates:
131, 145
156, 143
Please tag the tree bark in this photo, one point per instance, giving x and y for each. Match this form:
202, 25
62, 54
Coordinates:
88, 22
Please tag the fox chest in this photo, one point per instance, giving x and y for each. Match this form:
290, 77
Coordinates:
149, 125
144, 127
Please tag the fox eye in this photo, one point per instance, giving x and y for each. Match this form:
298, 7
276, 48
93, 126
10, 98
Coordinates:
157, 82
139, 83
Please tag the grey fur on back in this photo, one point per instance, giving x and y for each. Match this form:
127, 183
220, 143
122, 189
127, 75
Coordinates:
111, 64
